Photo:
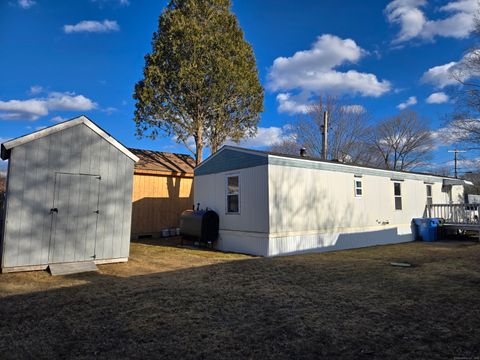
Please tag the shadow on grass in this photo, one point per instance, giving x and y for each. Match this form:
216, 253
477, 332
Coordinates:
291, 307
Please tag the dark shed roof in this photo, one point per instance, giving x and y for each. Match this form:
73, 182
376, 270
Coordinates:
163, 162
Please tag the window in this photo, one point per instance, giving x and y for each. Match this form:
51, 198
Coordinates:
397, 192
358, 188
429, 195
233, 195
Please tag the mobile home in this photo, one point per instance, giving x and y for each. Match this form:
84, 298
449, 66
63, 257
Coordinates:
273, 204
68, 197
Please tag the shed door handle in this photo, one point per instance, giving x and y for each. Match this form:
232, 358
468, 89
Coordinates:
53, 210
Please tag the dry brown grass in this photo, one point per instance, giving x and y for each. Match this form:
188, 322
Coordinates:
177, 303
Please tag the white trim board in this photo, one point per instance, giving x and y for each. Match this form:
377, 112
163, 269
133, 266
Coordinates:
62, 126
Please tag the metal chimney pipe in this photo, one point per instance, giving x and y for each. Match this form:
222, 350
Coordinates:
303, 152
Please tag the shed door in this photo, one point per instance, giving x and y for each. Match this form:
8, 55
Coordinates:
74, 218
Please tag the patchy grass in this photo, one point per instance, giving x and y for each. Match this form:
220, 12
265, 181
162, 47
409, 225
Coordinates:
169, 302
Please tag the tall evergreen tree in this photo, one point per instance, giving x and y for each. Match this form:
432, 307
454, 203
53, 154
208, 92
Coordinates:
200, 80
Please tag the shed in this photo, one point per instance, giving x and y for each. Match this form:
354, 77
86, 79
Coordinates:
275, 204
68, 198
162, 190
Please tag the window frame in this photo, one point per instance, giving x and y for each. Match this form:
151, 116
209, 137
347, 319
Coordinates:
355, 187
228, 176
395, 196
429, 197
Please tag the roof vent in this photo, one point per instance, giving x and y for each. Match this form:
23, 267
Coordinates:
303, 152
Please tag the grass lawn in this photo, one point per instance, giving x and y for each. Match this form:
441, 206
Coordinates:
168, 302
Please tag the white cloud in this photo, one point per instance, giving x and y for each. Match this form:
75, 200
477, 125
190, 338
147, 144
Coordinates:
34, 108
265, 137
412, 100
35, 89
26, 4
301, 103
356, 109
441, 75
313, 72
437, 98
293, 104
452, 134
69, 101
109, 110
101, 3
58, 119
410, 16
92, 26
407, 14
23, 109
447, 74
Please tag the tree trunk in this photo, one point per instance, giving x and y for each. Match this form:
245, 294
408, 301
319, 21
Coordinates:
199, 146
214, 148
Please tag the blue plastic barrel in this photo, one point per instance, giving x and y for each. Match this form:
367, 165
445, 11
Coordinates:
426, 229
430, 230
418, 228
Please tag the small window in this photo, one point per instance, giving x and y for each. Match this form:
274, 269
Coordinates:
358, 188
397, 192
429, 195
233, 195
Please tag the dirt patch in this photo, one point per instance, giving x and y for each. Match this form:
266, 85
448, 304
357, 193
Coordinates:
170, 302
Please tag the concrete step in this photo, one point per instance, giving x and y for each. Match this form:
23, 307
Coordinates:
72, 268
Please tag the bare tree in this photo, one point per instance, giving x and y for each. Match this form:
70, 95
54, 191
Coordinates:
288, 146
401, 142
464, 126
348, 127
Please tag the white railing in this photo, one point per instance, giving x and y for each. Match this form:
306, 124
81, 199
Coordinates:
454, 213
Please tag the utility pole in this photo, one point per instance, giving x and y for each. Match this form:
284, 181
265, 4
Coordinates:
325, 136
455, 152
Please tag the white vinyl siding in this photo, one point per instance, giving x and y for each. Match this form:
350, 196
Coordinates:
210, 191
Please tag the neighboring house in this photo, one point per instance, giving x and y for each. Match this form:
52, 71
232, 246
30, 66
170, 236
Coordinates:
274, 204
473, 199
69, 197
162, 190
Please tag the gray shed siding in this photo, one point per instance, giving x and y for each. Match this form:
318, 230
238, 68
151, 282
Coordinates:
31, 191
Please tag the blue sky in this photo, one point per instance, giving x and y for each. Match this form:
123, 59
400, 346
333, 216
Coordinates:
59, 59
